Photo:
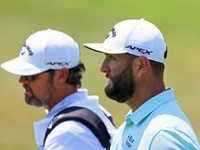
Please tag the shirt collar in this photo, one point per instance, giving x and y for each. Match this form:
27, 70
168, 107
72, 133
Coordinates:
146, 108
82, 94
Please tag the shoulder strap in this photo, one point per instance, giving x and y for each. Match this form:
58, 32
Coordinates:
86, 117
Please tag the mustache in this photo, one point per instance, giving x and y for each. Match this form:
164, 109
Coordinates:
26, 87
108, 76
111, 77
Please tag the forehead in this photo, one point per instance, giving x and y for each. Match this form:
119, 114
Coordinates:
116, 60
43, 75
120, 56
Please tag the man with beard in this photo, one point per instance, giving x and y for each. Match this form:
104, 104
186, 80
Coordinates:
50, 73
134, 53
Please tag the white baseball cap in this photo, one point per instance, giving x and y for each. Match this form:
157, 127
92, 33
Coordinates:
44, 50
137, 37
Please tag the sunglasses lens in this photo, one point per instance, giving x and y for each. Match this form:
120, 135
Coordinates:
30, 78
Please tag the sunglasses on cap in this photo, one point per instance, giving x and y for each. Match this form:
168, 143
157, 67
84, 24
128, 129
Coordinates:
32, 77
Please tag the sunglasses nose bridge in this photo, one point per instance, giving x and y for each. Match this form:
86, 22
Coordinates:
23, 80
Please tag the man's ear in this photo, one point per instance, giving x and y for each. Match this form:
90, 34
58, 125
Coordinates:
143, 65
62, 75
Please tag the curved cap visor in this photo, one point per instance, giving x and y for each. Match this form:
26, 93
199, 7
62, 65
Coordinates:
44, 50
99, 47
136, 37
20, 67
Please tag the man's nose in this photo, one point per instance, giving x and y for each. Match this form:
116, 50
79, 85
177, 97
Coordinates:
105, 67
23, 80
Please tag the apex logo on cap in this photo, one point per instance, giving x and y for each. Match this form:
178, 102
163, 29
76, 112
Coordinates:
28, 48
113, 33
143, 51
58, 63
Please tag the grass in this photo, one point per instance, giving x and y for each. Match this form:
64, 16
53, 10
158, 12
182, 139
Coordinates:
90, 21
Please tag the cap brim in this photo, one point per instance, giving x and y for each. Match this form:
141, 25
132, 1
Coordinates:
99, 47
20, 67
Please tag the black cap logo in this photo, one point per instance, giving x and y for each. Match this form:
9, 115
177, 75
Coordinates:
113, 33
28, 48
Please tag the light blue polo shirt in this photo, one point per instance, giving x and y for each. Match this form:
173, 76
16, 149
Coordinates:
159, 124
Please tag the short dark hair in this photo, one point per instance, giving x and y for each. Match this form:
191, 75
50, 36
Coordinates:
157, 67
131, 57
75, 75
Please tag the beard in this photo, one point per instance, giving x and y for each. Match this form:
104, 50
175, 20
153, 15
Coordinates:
41, 102
123, 87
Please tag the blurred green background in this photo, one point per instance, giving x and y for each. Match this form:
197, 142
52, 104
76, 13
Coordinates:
90, 21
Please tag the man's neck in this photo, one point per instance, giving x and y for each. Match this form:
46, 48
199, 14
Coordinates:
60, 95
144, 94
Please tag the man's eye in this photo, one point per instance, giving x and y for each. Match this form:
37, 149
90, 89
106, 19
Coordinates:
111, 58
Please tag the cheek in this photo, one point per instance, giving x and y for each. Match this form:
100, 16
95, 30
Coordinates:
39, 91
116, 69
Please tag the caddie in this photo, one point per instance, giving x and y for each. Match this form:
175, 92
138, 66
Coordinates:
134, 53
50, 73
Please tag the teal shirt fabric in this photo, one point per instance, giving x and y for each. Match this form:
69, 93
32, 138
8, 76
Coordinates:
159, 124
